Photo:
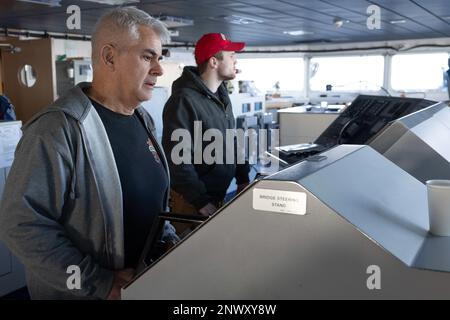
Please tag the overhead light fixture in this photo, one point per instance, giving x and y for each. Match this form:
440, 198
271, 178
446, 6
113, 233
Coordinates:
176, 22
114, 2
51, 3
398, 21
339, 22
298, 32
241, 20
234, 19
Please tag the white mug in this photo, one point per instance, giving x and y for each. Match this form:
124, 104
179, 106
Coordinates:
439, 206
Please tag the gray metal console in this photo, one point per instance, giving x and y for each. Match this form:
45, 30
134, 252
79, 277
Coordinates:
419, 143
317, 229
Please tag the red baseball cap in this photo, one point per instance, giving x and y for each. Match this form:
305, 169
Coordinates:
212, 43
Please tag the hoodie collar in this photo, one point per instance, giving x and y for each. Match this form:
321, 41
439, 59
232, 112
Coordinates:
76, 104
190, 78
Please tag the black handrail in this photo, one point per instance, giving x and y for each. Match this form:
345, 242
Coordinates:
154, 237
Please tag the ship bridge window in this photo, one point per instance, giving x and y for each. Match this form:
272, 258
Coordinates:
271, 75
349, 73
419, 72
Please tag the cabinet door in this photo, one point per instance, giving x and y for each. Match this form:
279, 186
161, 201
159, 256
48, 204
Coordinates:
29, 77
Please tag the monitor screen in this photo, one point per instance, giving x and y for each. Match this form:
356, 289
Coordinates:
366, 116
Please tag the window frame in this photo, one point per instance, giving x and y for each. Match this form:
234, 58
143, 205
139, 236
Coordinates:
414, 91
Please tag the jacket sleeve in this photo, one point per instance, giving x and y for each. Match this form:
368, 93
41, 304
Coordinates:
242, 171
32, 217
179, 114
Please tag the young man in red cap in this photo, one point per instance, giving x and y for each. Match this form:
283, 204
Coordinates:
200, 95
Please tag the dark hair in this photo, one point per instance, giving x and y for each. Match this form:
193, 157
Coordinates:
203, 66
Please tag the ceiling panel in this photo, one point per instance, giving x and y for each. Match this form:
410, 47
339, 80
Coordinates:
406, 9
423, 18
390, 30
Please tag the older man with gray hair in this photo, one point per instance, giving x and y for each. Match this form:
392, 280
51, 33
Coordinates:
89, 178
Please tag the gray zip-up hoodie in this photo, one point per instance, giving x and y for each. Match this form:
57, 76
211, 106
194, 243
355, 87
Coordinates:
62, 204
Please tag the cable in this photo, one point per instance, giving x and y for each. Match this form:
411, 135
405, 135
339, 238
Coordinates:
276, 158
343, 130
385, 90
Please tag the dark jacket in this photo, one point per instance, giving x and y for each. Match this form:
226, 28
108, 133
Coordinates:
6, 109
192, 101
